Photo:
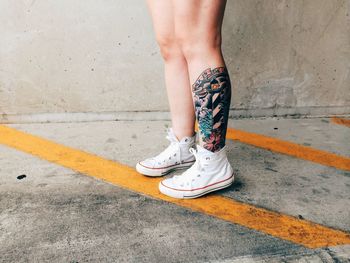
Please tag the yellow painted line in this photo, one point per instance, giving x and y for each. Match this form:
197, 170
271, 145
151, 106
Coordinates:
282, 226
289, 148
341, 121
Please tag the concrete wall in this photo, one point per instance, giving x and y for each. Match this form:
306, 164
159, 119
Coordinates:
99, 59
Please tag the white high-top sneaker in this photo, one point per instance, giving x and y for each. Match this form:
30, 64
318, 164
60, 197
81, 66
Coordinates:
211, 171
175, 156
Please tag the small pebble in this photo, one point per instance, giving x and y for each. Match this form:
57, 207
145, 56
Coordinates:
22, 176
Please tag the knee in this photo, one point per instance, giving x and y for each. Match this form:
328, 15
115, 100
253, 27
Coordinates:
168, 46
192, 45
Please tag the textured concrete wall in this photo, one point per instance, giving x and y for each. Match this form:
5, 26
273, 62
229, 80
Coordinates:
70, 56
290, 56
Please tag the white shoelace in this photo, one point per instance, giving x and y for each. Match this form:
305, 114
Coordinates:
189, 175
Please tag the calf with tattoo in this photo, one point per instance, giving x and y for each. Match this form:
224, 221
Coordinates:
212, 93
198, 86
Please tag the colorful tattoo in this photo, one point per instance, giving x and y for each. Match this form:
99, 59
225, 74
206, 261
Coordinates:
212, 97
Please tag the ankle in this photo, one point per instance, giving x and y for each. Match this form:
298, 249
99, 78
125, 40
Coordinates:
183, 134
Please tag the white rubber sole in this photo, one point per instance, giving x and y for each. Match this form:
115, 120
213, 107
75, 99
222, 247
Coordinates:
157, 172
188, 194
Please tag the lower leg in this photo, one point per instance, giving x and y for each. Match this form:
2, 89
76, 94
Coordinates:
179, 97
198, 27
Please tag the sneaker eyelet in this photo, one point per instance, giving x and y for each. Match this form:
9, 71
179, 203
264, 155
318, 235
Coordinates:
208, 158
198, 175
186, 140
174, 154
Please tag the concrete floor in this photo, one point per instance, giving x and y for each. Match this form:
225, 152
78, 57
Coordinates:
55, 214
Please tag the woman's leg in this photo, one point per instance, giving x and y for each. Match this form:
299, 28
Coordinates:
198, 33
175, 66
179, 97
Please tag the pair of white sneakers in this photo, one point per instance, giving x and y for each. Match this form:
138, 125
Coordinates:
207, 171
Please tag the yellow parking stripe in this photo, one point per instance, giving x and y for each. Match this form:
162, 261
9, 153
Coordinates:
282, 226
289, 148
341, 121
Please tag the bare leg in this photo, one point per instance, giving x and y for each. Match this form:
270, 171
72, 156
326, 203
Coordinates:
175, 66
198, 33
